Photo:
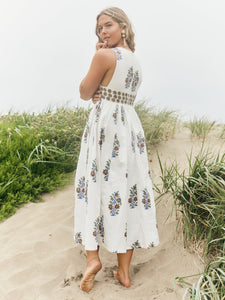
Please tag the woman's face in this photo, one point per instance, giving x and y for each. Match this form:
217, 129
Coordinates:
109, 30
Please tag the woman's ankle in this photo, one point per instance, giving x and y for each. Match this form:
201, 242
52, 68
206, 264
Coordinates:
122, 276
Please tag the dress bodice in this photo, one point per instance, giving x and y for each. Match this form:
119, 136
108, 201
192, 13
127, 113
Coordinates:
126, 78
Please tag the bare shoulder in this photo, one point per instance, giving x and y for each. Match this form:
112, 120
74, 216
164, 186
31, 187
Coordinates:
105, 55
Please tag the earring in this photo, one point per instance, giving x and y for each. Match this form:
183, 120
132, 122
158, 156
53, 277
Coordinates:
123, 35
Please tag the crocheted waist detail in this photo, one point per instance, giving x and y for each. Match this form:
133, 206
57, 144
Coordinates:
117, 96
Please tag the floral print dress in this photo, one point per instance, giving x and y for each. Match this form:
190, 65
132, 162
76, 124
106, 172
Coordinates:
114, 201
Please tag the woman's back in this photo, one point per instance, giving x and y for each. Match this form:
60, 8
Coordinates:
125, 80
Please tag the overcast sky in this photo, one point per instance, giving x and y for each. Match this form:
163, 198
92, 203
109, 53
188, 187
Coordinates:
46, 47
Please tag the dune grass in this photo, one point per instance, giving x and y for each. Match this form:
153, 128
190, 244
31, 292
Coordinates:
38, 152
211, 283
222, 133
199, 196
158, 125
199, 127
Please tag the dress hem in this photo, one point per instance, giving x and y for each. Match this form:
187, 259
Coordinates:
119, 251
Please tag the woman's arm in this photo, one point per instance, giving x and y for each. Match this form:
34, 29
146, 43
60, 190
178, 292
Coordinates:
102, 61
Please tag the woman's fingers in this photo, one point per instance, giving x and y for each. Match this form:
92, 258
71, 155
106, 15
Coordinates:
97, 96
101, 45
105, 44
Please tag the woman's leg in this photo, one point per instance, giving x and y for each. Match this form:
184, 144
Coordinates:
122, 273
94, 265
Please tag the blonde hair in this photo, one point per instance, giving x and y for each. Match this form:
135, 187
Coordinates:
121, 18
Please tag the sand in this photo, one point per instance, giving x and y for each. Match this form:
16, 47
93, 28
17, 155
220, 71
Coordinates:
39, 259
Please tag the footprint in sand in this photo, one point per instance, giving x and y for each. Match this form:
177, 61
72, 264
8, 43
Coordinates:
109, 271
68, 281
135, 269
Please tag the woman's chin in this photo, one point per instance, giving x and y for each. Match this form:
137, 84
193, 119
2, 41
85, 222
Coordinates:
112, 45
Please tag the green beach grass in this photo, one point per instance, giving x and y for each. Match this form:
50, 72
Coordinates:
199, 198
222, 133
38, 153
158, 124
200, 127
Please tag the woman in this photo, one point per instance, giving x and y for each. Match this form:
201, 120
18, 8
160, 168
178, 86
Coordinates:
114, 202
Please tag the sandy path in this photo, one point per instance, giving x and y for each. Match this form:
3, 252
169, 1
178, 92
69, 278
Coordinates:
38, 258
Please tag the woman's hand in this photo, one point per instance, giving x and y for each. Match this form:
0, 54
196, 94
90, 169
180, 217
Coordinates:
101, 45
97, 96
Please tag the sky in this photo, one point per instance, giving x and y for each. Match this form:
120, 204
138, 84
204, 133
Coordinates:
46, 48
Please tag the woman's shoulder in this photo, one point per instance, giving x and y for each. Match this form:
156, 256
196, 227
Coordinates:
110, 55
105, 52
104, 56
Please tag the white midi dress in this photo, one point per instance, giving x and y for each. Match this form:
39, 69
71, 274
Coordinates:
114, 201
